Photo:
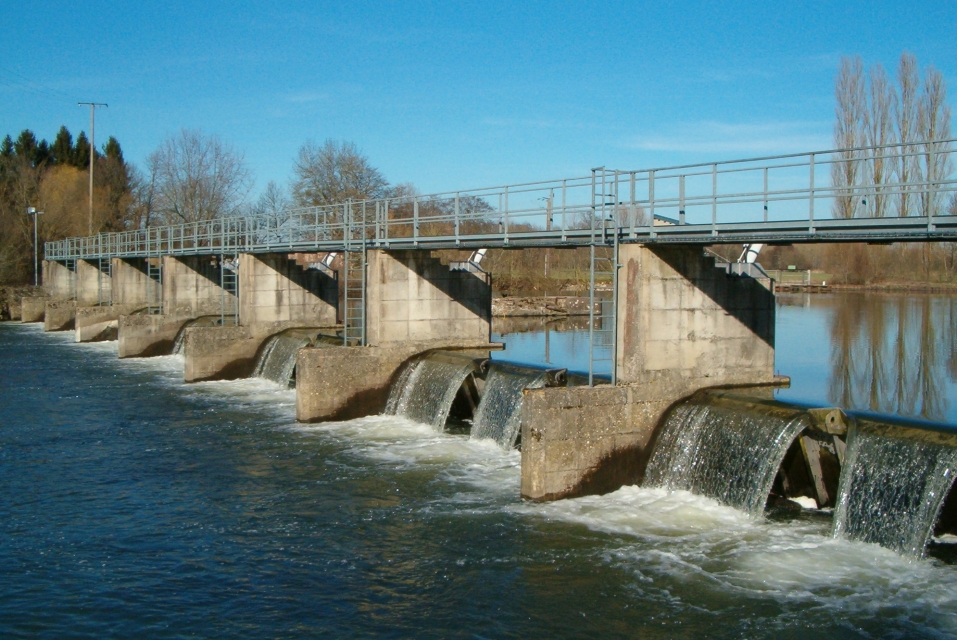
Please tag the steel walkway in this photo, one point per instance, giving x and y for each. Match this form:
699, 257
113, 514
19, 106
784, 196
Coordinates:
822, 196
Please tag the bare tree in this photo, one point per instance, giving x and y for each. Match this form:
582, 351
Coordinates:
334, 173
274, 210
879, 133
905, 114
196, 177
933, 124
851, 97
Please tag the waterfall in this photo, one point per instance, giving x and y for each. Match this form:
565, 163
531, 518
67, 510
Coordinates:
202, 321
724, 448
180, 339
425, 389
500, 411
277, 361
893, 484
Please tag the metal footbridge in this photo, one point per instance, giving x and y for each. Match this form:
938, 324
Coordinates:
893, 193
897, 193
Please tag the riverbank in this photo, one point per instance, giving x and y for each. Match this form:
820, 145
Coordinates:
539, 306
888, 287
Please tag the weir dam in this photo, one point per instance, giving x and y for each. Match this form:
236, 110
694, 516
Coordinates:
384, 307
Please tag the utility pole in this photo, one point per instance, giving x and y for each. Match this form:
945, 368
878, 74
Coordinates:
93, 106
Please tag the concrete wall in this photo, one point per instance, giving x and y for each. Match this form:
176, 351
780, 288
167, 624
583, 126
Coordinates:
680, 318
58, 279
412, 296
339, 383
59, 315
93, 324
143, 335
227, 353
219, 353
87, 283
131, 282
192, 284
273, 288
683, 325
33, 308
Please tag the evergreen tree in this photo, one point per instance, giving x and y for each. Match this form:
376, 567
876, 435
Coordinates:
42, 154
7, 149
81, 152
113, 151
63, 147
26, 146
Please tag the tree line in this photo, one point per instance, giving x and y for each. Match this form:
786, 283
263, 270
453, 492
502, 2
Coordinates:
192, 176
894, 133
54, 178
895, 140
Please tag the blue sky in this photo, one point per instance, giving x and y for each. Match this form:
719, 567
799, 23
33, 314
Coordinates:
457, 95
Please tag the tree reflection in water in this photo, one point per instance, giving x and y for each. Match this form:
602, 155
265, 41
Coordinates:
888, 354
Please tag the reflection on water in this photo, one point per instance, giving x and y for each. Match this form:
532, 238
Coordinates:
887, 354
892, 354
548, 342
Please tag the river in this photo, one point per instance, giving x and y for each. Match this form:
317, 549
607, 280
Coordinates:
136, 505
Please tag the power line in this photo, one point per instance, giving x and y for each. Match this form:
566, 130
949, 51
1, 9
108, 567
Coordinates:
22, 83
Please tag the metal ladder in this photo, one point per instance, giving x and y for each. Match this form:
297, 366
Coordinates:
354, 270
154, 271
70, 264
229, 290
354, 317
104, 296
602, 272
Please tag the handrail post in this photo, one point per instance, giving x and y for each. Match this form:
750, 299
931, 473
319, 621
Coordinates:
681, 199
932, 190
765, 194
633, 207
714, 199
457, 240
811, 202
564, 225
505, 238
415, 220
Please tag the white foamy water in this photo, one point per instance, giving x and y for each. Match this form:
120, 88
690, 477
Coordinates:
660, 533
402, 444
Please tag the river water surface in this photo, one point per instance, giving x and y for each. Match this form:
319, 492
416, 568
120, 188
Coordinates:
135, 505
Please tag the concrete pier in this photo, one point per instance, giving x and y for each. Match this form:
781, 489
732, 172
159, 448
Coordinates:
59, 280
88, 278
412, 296
684, 324
340, 383
93, 324
273, 288
414, 304
192, 285
191, 289
275, 294
59, 315
131, 283
33, 308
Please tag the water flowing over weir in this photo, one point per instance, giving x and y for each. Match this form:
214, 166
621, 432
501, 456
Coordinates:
726, 450
499, 413
202, 321
426, 388
277, 358
893, 485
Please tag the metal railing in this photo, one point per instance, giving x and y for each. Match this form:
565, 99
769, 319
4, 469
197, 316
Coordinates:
892, 192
